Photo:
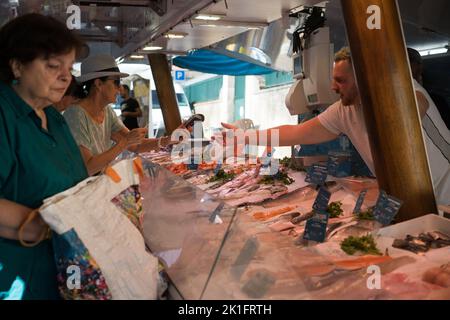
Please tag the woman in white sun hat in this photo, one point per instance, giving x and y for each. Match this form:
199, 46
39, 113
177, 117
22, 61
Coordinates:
100, 134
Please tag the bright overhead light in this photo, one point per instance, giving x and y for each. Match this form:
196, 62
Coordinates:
232, 24
297, 9
151, 48
432, 51
108, 27
211, 17
136, 56
176, 35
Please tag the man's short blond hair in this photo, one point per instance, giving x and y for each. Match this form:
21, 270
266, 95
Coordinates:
343, 54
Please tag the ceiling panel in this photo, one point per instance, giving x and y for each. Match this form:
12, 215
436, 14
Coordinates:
128, 25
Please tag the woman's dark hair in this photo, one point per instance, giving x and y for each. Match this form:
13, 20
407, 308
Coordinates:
127, 88
414, 56
86, 87
74, 89
33, 36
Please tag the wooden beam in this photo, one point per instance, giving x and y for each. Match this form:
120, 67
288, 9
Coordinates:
390, 110
165, 90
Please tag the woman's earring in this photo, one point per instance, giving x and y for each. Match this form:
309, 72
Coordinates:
15, 82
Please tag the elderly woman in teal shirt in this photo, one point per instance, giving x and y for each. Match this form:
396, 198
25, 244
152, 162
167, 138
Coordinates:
39, 156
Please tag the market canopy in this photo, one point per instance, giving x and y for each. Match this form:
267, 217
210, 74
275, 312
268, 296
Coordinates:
221, 62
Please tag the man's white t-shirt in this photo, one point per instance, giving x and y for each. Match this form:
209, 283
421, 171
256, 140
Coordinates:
437, 142
350, 121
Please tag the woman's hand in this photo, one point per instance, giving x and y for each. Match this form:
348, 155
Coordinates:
12, 217
165, 141
135, 137
35, 229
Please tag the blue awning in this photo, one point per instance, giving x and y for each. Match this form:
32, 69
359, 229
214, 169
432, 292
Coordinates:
222, 62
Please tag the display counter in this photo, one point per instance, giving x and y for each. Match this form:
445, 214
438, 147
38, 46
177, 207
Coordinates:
214, 249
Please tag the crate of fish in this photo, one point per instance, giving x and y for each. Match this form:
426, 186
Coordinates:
419, 235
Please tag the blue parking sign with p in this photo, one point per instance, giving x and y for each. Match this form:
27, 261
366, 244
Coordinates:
180, 75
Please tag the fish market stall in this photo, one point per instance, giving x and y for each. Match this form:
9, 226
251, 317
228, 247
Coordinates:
231, 233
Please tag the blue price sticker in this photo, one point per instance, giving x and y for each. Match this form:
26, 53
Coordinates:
386, 208
267, 159
269, 165
322, 199
192, 166
332, 165
339, 164
316, 227
379, 204
217, 168
317, 174
195, 160
360, 201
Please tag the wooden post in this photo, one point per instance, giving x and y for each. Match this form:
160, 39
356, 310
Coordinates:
389, 103
165, 90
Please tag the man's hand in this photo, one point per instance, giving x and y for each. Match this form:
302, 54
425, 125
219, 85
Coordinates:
228, 126
231, 140
223, 135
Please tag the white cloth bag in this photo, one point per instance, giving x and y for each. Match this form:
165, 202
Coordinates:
112, 240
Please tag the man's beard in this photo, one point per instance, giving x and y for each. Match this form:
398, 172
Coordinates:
348, 101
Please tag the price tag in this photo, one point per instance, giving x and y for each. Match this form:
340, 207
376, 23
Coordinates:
245, 256
150, 169
360, 201
316, 227
339, 164
195, 160
317, 174
217, 168
192, 166
322, 199
386, 208
269, 165
332, 165
267, 159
